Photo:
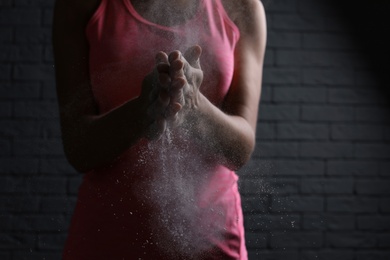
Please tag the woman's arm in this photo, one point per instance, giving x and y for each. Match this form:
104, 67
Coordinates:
91, 140
229, 133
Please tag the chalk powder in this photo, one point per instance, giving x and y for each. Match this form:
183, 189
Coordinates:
180, 224
173, 190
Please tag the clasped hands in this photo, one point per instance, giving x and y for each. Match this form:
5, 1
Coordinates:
171, 90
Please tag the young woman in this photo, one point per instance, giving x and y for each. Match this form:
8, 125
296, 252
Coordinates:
158, 106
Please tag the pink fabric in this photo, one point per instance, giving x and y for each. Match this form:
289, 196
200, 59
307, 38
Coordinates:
121, 208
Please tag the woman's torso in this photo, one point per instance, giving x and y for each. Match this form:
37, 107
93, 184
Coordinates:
165, 192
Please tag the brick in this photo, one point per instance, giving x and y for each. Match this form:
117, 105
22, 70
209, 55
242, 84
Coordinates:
20, 91
33, 35
28, 17
50, 129
6, 2
364, 150
256, 240
17, 166
327, 41
265, 131
56, 205
356, 168
34, 3
317, 58
265, 222
352, 204
33, 72
276, 149
42, 223
284, 39
5, 256
327, 113
6, 35
14, 185
384, 205
361, 95
256, 168
266, 94
32, 255
38, 147
372, 114
302, 131
51, 242
47, 17
48, 185
297, 23
384, 169
5, 109
281, 76
372, 255
322, 222
328, 254
17, 241
74, 184
49, 90
5, 71
387, 133
320, 8
20, 53
383, 240
5, 147
330, 76
55, 166
6, 222
373, 187
297, 94
255, 204
284, 186
296, 240
295, 203
365, 77
19, 204
325, 150
327, 186
373, 223
274, 254
48, 54
350, 240
269, 59
357, 132
36, 109
280, 6
300, 168
255, 186
279, 112
14, 128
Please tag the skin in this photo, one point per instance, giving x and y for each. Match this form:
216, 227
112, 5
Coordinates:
170, 93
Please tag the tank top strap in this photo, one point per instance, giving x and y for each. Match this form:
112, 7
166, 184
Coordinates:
214, 7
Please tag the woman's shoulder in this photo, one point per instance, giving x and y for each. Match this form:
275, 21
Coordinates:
244, 12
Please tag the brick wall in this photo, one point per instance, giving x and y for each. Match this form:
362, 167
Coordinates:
318, 186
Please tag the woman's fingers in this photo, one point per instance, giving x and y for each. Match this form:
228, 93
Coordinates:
192, 56
161, 57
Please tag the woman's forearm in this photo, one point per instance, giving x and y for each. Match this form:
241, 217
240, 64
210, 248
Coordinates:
95, 140
229, 138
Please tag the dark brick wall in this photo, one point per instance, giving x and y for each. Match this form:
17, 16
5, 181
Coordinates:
318, 186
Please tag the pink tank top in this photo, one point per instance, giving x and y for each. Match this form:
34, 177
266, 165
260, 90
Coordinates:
164, 200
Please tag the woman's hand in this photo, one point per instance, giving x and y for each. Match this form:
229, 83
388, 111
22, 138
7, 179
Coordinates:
186, 77
156, 100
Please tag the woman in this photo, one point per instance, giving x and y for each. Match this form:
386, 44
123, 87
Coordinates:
158, 107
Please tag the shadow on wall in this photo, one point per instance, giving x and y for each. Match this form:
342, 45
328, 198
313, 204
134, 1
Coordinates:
369, 22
